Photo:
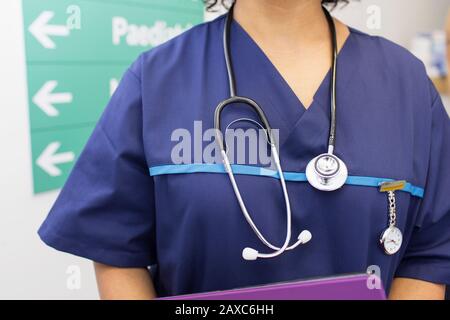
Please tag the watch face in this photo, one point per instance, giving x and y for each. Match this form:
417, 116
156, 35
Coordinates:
391, 240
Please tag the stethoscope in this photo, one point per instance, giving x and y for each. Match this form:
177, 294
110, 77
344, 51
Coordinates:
325, 172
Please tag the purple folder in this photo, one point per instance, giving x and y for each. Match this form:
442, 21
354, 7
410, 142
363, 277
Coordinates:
351, 287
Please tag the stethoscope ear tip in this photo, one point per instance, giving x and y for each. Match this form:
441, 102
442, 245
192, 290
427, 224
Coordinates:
249, 254
305, 236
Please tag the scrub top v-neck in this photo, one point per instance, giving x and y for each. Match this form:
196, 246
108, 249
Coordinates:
127, 204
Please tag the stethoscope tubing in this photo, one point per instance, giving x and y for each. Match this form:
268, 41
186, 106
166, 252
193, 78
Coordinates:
227, 51
246, 214
332, 134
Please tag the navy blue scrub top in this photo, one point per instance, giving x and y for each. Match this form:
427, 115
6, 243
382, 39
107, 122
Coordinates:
126, 204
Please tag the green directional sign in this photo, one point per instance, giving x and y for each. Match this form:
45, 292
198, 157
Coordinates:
76, 54
113, 30
70, 94
54, 153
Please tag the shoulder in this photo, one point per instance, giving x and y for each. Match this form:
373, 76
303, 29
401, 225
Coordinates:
393, 64
388, 53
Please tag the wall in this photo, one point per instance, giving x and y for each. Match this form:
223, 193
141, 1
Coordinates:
400, 19
30, 270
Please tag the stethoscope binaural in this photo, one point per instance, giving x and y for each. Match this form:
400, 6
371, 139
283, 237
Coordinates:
326, 172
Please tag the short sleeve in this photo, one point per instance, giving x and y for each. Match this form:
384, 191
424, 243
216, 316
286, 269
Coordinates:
105, 212
427, 255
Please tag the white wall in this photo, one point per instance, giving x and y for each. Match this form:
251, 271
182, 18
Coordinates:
30, 270
400, 19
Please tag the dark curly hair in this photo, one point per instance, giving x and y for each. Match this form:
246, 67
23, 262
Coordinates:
210, 4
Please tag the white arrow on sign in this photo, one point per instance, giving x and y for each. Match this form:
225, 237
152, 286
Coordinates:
42, 30
49, 159
45, 98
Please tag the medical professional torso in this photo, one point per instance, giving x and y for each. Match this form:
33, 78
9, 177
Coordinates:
143, 192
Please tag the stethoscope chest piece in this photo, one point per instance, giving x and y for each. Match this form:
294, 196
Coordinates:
326, 172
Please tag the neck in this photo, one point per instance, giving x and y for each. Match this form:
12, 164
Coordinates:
287, 24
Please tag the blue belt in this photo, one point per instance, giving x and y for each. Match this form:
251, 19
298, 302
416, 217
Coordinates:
263, 172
